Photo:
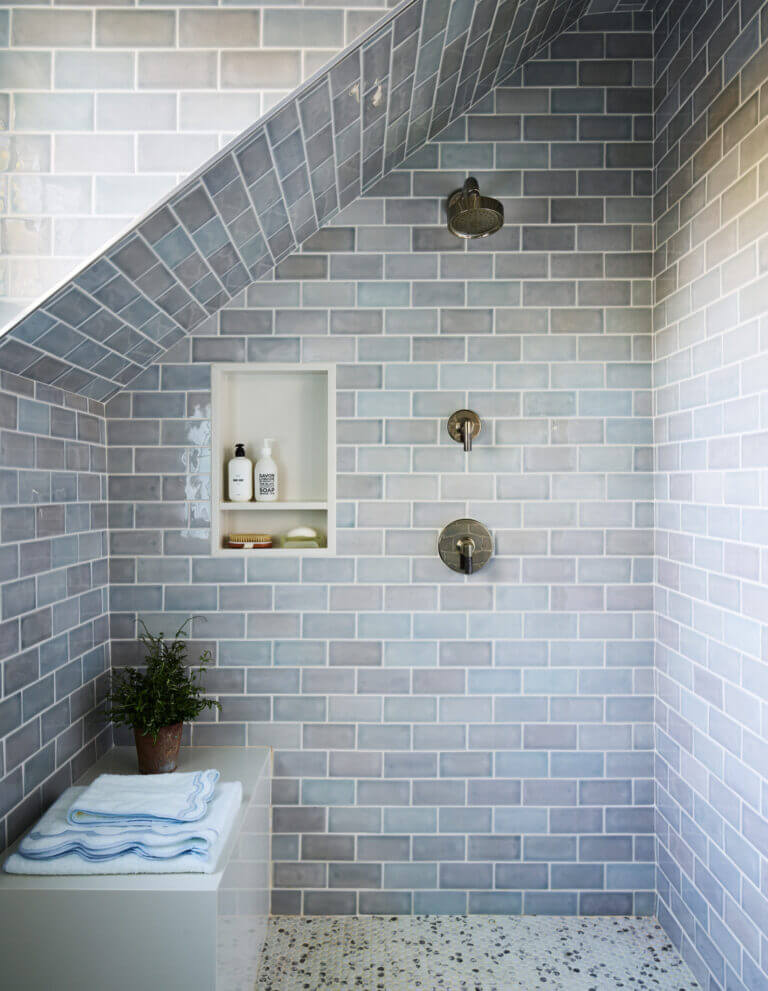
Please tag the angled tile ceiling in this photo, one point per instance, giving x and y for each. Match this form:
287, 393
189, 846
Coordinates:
616, 6
380, 101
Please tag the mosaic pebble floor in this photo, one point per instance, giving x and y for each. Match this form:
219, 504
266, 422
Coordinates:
470, 953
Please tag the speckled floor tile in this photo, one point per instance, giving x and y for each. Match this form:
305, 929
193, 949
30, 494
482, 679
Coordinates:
470, 953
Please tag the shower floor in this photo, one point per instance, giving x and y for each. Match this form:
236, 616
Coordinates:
469, 953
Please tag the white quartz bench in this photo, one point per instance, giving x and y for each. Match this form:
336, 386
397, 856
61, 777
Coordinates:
113, 932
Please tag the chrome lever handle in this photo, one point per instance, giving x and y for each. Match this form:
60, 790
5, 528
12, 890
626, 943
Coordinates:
467, 429
466, 549
463, 426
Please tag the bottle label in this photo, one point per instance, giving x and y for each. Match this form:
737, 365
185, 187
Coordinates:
267, 484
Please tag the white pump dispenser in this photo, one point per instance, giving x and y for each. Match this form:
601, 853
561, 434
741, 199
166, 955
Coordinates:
239, 477
265, 474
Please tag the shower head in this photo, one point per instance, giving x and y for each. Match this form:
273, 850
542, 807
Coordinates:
473, 215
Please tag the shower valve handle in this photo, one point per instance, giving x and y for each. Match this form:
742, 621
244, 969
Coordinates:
466, 548
463, 426
467, 429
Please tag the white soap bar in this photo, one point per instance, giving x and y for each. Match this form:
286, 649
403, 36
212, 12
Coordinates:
302, 533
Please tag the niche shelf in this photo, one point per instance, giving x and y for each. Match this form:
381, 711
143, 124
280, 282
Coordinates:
262, 506
296, 405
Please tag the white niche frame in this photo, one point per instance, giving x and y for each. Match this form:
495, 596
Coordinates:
296, 405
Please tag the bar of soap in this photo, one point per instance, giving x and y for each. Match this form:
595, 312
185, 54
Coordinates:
301, 533
303, 536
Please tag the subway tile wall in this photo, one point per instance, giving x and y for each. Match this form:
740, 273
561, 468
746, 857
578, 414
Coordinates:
54, 625
442, 744
105, 109
275, 186
711, 223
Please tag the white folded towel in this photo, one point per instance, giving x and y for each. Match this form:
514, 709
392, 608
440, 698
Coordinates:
145, 799
82, 850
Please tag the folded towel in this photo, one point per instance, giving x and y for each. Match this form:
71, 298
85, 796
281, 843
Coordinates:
226, 802
53, 836
145, 799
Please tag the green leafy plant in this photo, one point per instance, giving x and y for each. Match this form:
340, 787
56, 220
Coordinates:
165, 692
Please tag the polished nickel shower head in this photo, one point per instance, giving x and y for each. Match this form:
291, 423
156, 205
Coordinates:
472, 215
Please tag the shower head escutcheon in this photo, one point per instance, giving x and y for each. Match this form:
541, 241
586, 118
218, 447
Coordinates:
471, 215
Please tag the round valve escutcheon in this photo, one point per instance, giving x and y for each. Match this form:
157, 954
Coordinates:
465, 546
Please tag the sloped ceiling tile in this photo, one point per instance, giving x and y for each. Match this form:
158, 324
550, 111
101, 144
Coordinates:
616, 6
381, 100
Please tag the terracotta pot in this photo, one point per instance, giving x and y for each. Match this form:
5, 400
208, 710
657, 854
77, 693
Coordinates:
158, 757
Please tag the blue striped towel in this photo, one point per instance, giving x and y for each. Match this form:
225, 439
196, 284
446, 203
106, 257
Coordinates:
53, 846
144, 800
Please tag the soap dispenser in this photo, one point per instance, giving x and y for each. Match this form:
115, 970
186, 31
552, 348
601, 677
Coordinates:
240, 476
265, 474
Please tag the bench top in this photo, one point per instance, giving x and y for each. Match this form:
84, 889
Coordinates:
248, 765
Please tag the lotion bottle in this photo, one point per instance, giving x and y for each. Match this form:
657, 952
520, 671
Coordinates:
265, 474
240, 476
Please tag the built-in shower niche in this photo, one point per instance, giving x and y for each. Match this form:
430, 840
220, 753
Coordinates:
295, 405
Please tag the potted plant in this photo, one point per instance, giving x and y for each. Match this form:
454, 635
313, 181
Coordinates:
157, 701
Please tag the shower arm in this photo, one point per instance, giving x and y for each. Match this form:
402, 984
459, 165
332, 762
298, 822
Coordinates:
472, 193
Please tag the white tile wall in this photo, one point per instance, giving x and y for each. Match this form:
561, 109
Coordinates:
108, 109
711, 406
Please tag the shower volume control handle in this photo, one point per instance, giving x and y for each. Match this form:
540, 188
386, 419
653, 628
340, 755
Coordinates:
463, 425
466, 549
466, 433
